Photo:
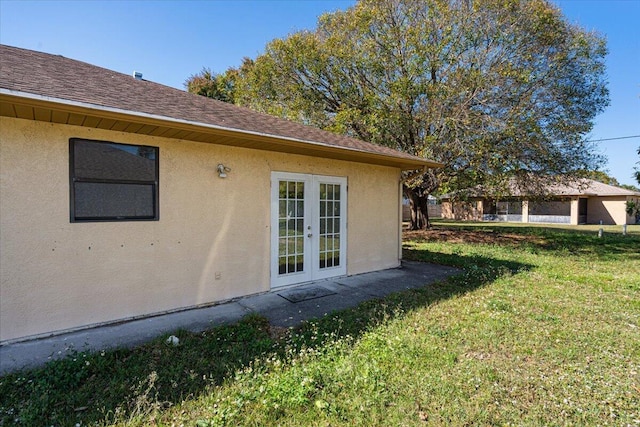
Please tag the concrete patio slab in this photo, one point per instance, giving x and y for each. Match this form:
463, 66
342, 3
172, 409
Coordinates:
341, 293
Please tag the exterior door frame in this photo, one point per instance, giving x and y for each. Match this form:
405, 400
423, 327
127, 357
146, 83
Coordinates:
317, 236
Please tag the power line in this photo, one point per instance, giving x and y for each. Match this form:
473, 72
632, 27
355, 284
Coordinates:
613, 139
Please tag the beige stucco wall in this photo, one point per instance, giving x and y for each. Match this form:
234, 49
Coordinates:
575, 209
611, 210
56, 275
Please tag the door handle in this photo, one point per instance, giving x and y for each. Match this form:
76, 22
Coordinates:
309, 235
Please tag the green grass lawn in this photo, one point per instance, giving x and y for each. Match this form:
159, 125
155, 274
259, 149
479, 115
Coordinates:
541, 328
632, 229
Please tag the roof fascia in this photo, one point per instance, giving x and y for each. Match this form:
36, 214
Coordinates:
69, 106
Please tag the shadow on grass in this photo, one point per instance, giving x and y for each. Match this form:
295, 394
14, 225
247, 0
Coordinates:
574, 240
91, 388
607, 247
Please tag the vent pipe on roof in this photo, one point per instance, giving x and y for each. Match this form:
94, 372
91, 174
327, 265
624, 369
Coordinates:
137, 75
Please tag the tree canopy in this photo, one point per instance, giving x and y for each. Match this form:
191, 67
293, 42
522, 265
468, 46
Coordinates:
212, 85
219, 86
495, 90
600, 176
637, 170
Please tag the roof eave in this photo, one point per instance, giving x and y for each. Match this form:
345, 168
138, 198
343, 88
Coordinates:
41, 108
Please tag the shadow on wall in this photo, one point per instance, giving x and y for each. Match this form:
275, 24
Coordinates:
598, 210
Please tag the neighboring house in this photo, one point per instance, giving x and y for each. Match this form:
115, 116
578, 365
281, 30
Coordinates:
586, 202
123, 198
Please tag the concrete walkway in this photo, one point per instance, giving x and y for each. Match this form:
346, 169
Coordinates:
284, 307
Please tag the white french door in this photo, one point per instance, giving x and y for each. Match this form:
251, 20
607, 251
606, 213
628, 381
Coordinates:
308, 227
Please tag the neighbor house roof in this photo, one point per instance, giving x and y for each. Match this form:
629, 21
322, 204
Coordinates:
581, 187
590, 187
52, 88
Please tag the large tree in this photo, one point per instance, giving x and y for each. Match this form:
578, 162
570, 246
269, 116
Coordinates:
600, 176
496, 90
218, 86
636, 174
633, 206
212, 85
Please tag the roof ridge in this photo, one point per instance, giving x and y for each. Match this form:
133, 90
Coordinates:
58, 77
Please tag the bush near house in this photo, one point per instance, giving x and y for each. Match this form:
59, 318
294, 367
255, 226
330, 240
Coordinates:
541, 328
633, 209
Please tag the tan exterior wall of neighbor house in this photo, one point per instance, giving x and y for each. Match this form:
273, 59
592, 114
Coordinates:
56, 275
463, 211
447, 210
575, 218
611, 210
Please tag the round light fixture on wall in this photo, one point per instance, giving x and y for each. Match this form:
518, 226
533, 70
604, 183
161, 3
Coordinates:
222, 170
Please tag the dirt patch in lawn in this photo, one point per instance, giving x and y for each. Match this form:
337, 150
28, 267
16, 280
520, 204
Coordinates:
469, 236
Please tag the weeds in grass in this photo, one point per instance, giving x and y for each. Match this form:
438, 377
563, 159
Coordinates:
541, 328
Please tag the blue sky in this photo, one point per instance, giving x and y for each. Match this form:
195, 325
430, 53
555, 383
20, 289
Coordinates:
170, 40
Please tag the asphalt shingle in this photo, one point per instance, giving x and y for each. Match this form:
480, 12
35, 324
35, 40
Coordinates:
59, 78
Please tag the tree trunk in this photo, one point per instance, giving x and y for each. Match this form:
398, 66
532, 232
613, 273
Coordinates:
419, 205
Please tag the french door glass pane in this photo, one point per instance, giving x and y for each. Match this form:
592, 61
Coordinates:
290, 227
329, 215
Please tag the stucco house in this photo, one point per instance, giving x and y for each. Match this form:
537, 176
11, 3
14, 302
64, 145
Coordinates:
122, 198
585, 202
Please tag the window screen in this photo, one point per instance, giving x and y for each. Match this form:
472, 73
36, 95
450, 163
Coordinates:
113, 182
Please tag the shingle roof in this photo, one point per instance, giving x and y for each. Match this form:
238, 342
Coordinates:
55, 77
592, 188
582, 187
